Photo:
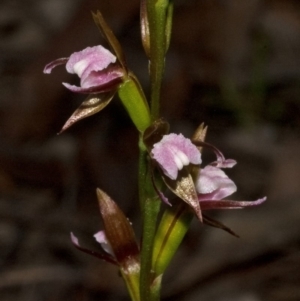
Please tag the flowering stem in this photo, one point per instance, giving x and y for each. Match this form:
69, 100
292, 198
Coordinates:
150, 205
157, 14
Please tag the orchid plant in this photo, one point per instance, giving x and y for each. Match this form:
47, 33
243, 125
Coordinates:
167, 161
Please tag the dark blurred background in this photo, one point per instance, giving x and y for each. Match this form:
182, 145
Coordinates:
232, 64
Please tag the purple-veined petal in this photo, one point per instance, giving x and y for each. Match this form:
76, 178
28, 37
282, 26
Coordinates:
102, 240
213, 184
173, 152
48, 68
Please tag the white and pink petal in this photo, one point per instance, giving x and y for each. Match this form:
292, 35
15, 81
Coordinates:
90, 59
214, 184
173, 152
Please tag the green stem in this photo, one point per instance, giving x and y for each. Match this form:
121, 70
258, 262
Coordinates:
157, 14
150, 205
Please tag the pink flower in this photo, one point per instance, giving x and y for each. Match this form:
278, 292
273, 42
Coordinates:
174, 152
96, 68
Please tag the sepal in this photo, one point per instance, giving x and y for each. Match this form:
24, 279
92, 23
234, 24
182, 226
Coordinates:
118, 231
93, 104
110, 38
120, 237
184, 188
229, 204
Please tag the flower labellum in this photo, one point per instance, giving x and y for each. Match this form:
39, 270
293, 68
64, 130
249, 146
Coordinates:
174, 152
96, 68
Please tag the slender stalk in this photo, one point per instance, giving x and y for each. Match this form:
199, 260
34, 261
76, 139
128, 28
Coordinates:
150, 205
150, 202
157, 28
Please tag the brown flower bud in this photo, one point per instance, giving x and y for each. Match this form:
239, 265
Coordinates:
119, 233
